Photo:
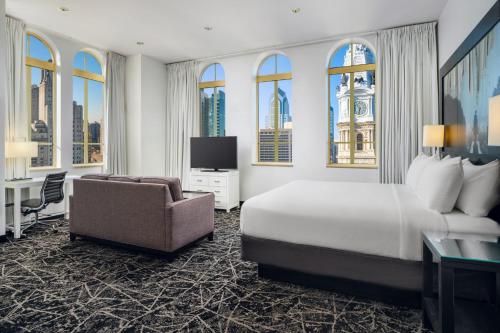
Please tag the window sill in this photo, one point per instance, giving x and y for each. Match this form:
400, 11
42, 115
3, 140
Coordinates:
273, 164
88, 165
352, 166
48, 168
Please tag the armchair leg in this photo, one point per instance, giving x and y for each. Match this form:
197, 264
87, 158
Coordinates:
72, 237
210, 236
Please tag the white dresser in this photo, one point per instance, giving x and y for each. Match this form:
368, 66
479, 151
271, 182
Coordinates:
224, 184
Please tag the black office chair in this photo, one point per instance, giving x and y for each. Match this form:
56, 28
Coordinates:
52, 192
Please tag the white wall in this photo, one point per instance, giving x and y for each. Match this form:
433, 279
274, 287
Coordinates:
146, 104
133, 101
2, 117
309, 107
456, 21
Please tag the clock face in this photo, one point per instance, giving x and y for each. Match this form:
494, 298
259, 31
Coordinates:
360, 109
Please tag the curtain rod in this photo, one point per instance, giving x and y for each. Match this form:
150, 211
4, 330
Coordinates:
289, 45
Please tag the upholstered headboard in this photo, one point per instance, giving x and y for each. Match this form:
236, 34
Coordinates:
467, 81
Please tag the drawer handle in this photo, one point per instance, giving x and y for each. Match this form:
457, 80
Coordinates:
217, 181
199, 180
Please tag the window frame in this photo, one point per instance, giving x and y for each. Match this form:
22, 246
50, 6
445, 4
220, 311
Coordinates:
42, 65
275, 78
216, 84
86, 76
351, 70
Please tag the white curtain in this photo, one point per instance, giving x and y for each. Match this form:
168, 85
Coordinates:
183, 121
16, 128
116, 159
407, 62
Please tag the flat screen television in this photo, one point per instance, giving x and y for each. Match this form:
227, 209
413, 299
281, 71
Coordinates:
214, 153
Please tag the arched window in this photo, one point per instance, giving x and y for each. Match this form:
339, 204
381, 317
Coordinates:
41, 99
351, 112
88, 109
274, 117
359, 142
213, 101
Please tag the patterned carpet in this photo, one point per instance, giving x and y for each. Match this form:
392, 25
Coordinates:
48, 284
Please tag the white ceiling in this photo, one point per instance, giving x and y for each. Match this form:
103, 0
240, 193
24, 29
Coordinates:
173, 30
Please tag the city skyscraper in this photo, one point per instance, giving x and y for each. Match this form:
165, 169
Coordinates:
213, 115
78, 135
267, 136
284, 110
95, 132
42, 118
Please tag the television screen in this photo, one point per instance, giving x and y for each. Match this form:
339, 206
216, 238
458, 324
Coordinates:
214, 152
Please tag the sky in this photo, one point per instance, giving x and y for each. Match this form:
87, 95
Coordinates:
38, 50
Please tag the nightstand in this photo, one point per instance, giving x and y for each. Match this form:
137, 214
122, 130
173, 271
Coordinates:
466, 252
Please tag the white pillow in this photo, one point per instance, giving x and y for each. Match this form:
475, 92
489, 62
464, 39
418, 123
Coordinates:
480, 191
440, 183
416, 168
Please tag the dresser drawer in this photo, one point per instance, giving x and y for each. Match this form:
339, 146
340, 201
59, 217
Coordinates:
218, 191
220, 202
199, 188
217, 181
199, 180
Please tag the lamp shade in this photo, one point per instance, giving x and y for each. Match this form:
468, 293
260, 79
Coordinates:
433, 136
494, 121
21, 149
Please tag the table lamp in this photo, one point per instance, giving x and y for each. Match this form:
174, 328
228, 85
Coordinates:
21, 149
434, 138
494, 121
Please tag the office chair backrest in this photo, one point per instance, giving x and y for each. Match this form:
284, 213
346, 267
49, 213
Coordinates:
53, 188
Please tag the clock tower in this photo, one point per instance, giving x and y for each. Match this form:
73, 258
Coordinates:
364, 110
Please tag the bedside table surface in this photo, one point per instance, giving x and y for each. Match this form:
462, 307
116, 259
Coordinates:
466, 247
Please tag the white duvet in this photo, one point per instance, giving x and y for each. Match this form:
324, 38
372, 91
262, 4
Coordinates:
370, 218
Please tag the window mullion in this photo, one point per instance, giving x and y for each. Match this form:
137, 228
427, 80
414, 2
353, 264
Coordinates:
276, 122
85, 122
28, 99
351, 116
215, 115
258, 123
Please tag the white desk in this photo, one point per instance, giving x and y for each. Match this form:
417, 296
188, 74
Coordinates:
18, 185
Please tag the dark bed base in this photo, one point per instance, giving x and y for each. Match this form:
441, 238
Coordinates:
389, 280
409, 298
170, 256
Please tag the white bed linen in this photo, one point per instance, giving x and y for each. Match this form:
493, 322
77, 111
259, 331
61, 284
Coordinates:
459, 222
370, 218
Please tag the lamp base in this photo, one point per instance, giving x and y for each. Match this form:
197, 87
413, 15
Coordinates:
17, 179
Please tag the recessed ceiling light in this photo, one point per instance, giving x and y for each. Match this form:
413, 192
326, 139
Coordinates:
140, 43
295, 10
64, 9
208, 28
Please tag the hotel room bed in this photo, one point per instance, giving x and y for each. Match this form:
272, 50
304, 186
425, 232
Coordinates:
364, 232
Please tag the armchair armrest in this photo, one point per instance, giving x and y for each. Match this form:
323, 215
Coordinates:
189, 219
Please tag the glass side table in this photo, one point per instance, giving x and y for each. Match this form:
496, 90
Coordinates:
459, 251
